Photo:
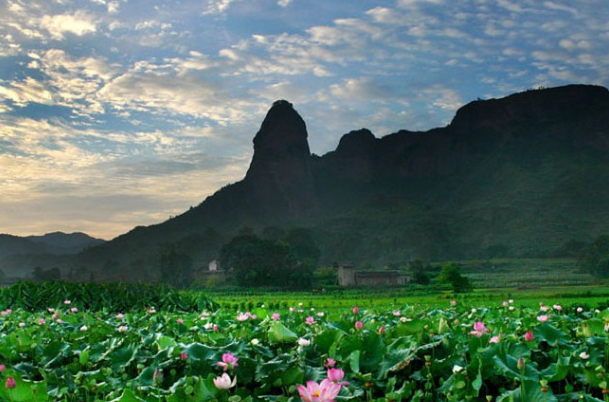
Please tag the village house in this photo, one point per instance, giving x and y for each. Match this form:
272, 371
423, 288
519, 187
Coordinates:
348, 276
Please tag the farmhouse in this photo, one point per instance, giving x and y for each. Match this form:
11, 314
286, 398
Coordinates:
348, 276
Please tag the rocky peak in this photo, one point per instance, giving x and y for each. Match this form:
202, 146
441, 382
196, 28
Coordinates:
283, 134
540, 105
280, 173
356, 143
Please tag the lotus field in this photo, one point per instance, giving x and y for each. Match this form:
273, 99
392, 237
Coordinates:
498, 352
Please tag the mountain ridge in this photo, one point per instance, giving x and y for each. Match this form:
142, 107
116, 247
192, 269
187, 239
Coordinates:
519, 176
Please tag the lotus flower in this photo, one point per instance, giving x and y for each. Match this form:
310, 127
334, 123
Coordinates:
275, 317
224, 381
479, 329
10, 383
228, 361
355, 310
529, 336
310, 320
336, 376
324, 392
359, 325
330, 362
303, 342
542, 318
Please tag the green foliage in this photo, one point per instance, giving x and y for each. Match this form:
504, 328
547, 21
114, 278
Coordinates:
116, 297
403, 352
451, 275
175, 268
595, 258
287, 262
419, 272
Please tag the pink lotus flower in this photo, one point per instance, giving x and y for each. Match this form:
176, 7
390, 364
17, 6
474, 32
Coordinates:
557, 307
495, 339
41, 321
243, 317
479, 329
10, 383
355, 310
216, 329
310, 320
66, 302
120, 316
505, 304
359, 325
183, 356
330, 363
122, 328
397, 313
292, 309
74, 310
228, 361
542, 318
453, 302
336, 376
324, 392
2, 368
382, 330
275, 317
180, 321
224, 381
528, 336
543, 308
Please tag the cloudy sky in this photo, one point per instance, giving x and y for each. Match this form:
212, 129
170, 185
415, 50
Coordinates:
117, 113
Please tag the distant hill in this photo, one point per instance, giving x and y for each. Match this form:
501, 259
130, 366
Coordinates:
521, 176
21, 254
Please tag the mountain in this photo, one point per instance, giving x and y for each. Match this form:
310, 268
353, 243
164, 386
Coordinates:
520, 176
21, 254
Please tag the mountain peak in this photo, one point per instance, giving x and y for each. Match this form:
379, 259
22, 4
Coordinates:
282, 133
545, 104
280, 173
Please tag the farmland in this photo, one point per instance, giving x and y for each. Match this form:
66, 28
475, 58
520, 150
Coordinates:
261, 346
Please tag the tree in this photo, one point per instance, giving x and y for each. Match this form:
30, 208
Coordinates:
595, 258
286, 262
419, 272
255, 262
451, 275
175, 268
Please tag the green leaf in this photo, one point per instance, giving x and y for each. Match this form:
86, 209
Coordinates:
278, 333
128, 396
353, 360
508, 366
549, 333
25, 391
532, 393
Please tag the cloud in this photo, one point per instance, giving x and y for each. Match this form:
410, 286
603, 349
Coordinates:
80, 23
218, 6
362, 89
21, 93
54, 175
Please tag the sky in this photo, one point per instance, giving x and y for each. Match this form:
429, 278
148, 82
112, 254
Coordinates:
118, 113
